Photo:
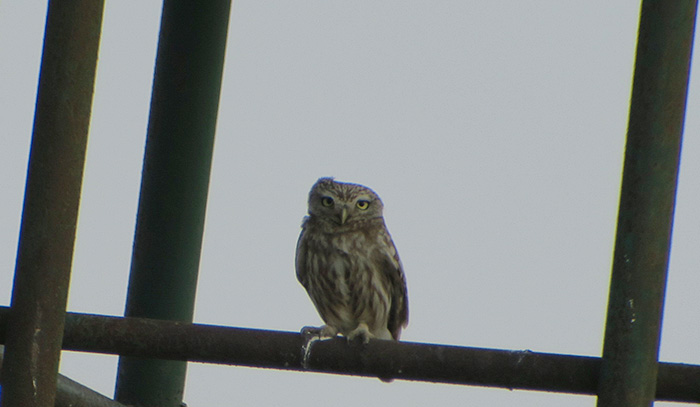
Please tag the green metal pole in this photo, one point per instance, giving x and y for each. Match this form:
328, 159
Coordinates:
642, 245
51, 200
174, 186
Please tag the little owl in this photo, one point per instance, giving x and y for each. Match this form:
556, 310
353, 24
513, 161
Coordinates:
348, 264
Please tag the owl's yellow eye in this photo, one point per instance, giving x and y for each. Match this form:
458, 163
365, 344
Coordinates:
327, 201
362, 205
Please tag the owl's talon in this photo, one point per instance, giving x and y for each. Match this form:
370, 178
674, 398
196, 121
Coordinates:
328, 331
311, 335
324, 332
361, 331
308, 331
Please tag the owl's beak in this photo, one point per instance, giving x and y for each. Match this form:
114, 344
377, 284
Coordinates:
343, 215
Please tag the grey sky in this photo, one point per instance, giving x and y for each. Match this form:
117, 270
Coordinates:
493, 131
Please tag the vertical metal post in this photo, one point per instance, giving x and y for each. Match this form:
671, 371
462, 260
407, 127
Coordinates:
174, 186
52, 196
642, 245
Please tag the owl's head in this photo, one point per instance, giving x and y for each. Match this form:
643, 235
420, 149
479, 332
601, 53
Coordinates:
343, 203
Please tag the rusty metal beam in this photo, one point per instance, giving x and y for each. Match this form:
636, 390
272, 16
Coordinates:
403, 360
647, 200
52, 196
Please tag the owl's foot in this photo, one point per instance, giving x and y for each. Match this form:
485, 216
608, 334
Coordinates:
328, 331
312, 334
362, 331
324, 332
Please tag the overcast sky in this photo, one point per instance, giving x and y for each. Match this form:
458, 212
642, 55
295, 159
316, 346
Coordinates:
493, 131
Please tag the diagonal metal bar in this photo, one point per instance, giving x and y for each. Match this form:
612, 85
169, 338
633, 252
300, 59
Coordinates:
172, 202
52, 196
403, 360
647, 199
70, 393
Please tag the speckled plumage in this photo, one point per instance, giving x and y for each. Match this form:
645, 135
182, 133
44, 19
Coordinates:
348, 264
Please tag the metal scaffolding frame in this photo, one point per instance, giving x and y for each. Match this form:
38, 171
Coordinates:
156, 337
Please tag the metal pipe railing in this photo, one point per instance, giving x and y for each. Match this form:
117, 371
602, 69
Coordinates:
51, 200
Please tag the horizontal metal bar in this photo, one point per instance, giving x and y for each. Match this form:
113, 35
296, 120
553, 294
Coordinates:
400, 360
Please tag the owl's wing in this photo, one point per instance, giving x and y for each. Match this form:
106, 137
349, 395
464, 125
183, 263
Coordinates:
300, 260
398, 314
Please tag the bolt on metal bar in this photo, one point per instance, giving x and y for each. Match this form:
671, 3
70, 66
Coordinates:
172, 203
70, 393
51, 200
642, 244
526, 370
